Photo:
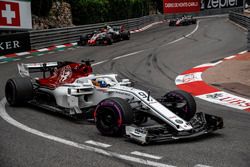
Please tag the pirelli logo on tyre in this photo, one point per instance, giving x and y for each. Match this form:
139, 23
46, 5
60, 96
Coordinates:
181, 6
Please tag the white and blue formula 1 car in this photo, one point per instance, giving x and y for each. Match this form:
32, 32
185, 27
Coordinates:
116, 107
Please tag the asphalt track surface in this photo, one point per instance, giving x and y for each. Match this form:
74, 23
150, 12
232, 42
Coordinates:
156, 69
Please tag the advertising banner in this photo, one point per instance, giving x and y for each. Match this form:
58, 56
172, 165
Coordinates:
15, 14
181, 6
215, 4
14, 43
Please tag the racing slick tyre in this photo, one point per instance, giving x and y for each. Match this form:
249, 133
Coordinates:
172, 23
108, 39
181, 103
18, 91
83, 40
111, 116
125, 35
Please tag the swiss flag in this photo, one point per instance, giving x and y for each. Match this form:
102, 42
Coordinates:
9, 14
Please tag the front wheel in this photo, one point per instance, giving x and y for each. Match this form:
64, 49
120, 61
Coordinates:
181, 103
111, 116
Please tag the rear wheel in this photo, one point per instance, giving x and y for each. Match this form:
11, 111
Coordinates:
181, 103
18, 91
125, 35
108, 39
111, 116
83, 40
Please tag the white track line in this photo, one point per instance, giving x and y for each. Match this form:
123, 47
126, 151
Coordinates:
100, 62
177, 40
127, 55
145, 155
17, 124
230, 57
97, 144
243, 52
199, 165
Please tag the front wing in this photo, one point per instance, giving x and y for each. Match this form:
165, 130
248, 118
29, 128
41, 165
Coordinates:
202, 124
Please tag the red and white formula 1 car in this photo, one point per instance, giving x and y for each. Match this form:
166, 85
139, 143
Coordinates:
105, 36
184, 21
117, 108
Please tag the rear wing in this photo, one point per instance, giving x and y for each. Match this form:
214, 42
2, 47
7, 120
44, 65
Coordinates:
25, 69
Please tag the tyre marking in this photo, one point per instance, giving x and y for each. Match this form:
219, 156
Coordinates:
137, 52
145, 155
97, 144
17, 124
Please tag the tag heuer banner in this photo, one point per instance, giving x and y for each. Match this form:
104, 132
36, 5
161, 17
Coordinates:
181, 6
214, 4
15, 14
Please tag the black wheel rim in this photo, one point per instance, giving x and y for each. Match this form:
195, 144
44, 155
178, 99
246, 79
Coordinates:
178, 104
108, 117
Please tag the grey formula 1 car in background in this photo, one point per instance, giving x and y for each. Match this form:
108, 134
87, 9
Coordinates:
116, 107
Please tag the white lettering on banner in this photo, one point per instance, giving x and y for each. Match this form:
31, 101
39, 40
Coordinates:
221, 3
181, 5
9, 45
188, 78
235, 101
227, 99
8, 14
16, 44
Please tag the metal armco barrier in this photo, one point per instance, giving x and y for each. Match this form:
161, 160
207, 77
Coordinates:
239, 18
244, 21
45, 38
